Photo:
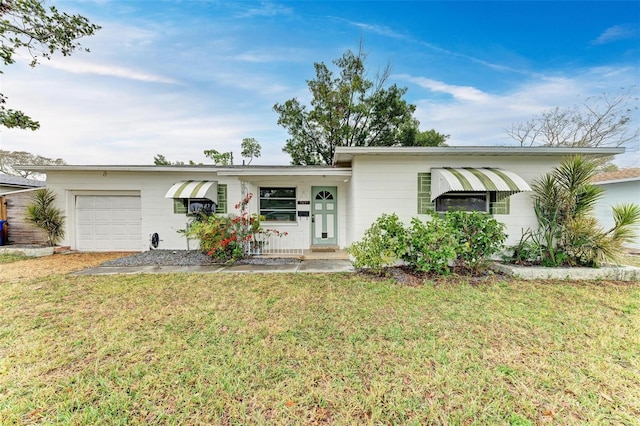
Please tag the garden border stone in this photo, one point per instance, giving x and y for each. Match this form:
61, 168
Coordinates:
28, 251
607, 273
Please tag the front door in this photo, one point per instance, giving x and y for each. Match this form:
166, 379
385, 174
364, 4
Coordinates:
324, 215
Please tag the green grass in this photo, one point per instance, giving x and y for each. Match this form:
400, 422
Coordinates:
9, 257
308, 349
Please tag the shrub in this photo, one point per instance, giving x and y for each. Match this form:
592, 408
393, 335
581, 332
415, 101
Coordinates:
432, 245
230, 238
479, 237
221, 237
42, 213
467, 240
383, 244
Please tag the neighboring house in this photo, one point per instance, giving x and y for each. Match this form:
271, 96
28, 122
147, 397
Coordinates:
10, 183
15, 193
620, 187
122, 207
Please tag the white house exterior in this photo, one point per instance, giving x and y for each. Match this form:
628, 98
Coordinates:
120, 208
620, 187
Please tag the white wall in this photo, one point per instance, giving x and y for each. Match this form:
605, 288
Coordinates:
300, 231
389, 184
617, 193
157, 212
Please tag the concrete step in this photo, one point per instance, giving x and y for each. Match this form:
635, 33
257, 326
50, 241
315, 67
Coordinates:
324, 248
325, 255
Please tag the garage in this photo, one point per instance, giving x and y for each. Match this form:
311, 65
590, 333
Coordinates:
108, 223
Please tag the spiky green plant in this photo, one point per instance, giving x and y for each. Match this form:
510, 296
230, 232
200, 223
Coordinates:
568, 234
43, 214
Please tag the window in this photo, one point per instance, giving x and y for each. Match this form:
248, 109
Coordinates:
499, 202
192, 205
278, 204
476, 201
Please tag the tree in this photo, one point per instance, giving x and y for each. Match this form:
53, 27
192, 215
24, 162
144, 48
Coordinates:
412, 136
348, 110
42, 213
9, 159
28, 25
250, 149
600, 121
161, 160
220, 158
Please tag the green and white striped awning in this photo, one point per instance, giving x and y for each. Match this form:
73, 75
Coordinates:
194, 189
469, 179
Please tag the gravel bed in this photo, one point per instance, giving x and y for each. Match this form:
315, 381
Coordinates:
186, 258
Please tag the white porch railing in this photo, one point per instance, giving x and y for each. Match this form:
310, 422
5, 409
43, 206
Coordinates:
270, 244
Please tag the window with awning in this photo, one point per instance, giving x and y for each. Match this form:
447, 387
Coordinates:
475, 180
194, 189
194, 196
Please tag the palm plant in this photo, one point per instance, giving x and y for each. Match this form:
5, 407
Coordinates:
43, 214
564, 201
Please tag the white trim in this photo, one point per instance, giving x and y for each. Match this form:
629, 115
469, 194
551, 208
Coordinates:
280, 171
345, 154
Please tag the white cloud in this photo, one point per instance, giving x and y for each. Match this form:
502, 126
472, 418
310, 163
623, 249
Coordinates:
376, 29
463, 93
616, 33
473, 117
266, 9
79, 66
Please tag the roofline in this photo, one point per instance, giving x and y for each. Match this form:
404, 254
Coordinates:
218, 170
605, 182
2, 194
290, 171
116, 168
345, 154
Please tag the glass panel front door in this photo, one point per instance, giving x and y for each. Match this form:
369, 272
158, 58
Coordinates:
324, 223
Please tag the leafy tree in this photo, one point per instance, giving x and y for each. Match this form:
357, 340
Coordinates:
42, 213
29, 25
412, 136
250, 149
9, 159
600, 121
161, 160
349, 110
220, 158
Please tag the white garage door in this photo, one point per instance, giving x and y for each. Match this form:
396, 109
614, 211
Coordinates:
108, 223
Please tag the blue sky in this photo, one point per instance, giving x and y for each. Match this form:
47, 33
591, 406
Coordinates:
178, 77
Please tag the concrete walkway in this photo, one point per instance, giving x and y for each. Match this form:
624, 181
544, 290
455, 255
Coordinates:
311, 265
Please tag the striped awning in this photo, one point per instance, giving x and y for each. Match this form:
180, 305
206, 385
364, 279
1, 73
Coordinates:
469, 179
194, 189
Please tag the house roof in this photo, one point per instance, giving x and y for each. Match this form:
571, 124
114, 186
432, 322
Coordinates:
20, 182
240, 171
342, 157
345, 154
622, 175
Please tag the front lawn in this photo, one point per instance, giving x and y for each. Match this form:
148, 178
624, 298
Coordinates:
308, 349
10, 257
